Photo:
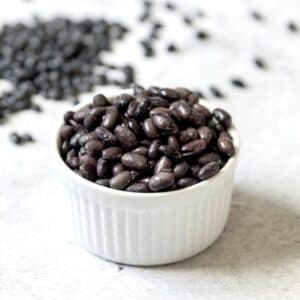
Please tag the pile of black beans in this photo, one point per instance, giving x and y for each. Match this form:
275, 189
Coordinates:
155, 140
56, 59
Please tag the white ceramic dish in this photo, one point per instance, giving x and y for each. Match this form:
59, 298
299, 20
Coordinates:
149, 228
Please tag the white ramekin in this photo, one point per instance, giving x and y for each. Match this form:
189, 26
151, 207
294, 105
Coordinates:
149, 228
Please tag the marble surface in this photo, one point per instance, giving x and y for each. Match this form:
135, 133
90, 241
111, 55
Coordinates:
258, 255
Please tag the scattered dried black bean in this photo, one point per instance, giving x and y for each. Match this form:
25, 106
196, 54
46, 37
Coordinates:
237, 82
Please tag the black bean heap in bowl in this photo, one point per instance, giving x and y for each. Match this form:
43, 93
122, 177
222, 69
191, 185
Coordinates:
155, 140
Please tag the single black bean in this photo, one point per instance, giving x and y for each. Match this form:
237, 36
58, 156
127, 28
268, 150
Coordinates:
205, 133
257, 15
66, 132
188, 135
65, 146
216, 92
122, 101
169, 151
79, 116
183, 110
165, 123
292, 26
120, 181
163, 165
103, 182
149, 129
139, 187
98, 112
126, 137
160, 111
215, 124
183, 92
141, 150
134, 161
181, 169
157, 101
73, 162
103, 168
186, 182
90, 122
94, 147
87, 137
112, 153
222, 116
135, 127
142, 109
110, 118
239, 83
154, 90
198, 119
209, 157
161, 181
193, 147
173, 143
153, 149
74, 141
131, 109
118, 168
68, 116
203, 110
226, 146
100, 100
169, 94
106, 136
260, 63
88, 169
208, 170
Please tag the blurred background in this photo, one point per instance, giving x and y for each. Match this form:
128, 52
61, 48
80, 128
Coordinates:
240, 55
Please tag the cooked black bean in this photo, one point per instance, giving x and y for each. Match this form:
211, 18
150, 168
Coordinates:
222, 116
87, 137
88, 169
188, 135
103, 168
103, 182
161, 181
139, 187
157, 140
163, 165
205, 133
193, 147
112, 153
165, 123
186, 182
126, 137
153, 149
100, 100
216, 92
134, 161
181, 169
118, 168
120, 181
169, 94
141, 150
209, 157
226, 146
157, 101
239, 83
202, 109
208, 170
106, 136
149, 129
66, 132
94, 147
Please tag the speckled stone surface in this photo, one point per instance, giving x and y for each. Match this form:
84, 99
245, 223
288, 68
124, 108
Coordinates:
258, 255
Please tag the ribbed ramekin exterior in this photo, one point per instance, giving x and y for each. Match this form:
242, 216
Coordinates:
149, 231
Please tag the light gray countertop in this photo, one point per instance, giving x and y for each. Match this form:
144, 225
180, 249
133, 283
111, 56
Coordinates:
258, 255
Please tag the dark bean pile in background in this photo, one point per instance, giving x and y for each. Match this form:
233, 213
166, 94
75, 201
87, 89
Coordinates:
158, 139
56, 59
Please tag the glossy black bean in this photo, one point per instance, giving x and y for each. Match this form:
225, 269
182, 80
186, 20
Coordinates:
120, 181
208, 170
169, 94
188, 135
100, 100
134, 161
202, 109
165, 124
222, 116
186, 182
149, 129
126, 137
79, 116
205, 133
181, 169
226, 146
209, 157
106, 136
103, 168
66, 132
142, 109
131, 109
195, 169
87, 137
193, 147
158, 102
139, 187
183, 110
122, 101
183, 92
153, 150
141, 150
90, 122
160, 111
68, 116
173, 143
163, 165
103, 182
161, 181
110, 118
112, 153
74, 141
94, 147
88, 169
198, 119
73, 162
118, 168
135, 127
